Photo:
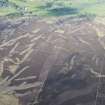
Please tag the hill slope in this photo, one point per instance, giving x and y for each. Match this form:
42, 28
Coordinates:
52, 8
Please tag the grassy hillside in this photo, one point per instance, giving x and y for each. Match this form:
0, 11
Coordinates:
52, 7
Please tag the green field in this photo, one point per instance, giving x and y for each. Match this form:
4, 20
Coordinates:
52, 7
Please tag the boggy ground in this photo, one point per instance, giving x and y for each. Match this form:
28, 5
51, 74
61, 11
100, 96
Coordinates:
53, 62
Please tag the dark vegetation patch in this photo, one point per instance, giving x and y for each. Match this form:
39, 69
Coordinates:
63, 11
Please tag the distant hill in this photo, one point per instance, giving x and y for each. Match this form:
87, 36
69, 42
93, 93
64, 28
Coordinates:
52, 7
